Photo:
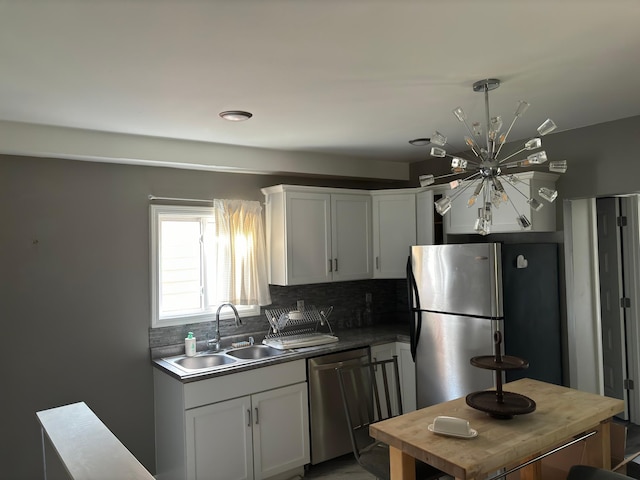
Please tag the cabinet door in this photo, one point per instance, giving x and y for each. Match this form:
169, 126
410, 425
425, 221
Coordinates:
281, 430
394, 231
219, 441
351, 236
407, 377
308, 234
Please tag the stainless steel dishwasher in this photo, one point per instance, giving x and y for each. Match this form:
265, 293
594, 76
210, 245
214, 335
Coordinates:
329, 430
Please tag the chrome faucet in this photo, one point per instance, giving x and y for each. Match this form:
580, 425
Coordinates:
215, 343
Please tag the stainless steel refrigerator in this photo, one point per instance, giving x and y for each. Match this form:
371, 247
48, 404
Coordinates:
461, 294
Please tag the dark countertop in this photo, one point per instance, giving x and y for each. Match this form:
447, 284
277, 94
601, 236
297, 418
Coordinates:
349, 339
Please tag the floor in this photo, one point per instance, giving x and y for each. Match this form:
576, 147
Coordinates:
341, 468
345, 467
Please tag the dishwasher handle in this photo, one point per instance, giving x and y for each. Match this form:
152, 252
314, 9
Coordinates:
334, 365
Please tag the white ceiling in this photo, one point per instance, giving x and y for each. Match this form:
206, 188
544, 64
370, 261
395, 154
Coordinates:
348, 77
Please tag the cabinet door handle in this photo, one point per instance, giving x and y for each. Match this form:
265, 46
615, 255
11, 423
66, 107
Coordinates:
257, 418
377, 263
335, 260
248, 417
330, 266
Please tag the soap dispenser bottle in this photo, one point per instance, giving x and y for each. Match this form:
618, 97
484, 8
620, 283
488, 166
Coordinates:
190, 345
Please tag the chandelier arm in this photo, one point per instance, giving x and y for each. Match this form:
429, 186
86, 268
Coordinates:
518, 190
448, 175
512, 164
510, 156
506, 135
470, 177
486, 109
459, 192
514, 207
473, 162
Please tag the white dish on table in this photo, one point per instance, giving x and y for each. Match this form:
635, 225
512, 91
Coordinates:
472, 433
452, 426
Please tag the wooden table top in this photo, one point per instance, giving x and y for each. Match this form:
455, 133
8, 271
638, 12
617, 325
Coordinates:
560, 414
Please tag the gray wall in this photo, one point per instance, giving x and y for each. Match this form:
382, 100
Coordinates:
74, 296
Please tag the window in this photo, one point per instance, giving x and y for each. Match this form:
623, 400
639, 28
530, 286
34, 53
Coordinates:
190, 258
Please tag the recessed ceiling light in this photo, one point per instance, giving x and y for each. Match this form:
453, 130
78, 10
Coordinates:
236, 115
420, 142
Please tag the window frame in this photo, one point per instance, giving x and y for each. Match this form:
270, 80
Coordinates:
205, 315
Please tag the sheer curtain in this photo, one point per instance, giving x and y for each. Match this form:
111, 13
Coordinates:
240, 254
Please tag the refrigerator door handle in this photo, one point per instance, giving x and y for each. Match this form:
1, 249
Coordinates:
415, 320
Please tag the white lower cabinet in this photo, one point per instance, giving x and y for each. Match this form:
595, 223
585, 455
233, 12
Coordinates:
248, 425
406, 368
264, 435
208, 455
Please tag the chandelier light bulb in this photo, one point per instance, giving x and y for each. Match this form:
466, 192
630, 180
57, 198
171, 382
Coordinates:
460, 115
443, 205
453, 184
472, 199
535, 159
521, 108
438, 139
438, 152
547, 127
426, 180
548, 194
482, 226
457, 162
533, 144
558, 166
496, 198
523, 221
535, 204
496, 124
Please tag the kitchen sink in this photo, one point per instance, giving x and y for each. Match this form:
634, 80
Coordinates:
255, 352
203, 361
214, 360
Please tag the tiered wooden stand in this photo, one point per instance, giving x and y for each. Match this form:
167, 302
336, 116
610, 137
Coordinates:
500, 404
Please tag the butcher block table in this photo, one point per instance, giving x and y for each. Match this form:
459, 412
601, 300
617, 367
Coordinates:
561, 415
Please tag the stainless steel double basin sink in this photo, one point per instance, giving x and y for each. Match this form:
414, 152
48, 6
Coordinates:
212, 360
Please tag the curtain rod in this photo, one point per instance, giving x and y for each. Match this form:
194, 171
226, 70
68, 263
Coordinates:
153, 197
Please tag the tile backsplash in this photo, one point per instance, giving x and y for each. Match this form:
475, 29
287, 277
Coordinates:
389, 304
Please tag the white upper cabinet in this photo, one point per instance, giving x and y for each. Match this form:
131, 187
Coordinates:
317, 235
351, 236
462, 219
401, 218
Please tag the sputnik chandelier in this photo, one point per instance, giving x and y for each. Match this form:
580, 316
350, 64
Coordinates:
486, 168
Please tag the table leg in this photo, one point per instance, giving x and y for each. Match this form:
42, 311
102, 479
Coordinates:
402, 465
532, 471
598, 448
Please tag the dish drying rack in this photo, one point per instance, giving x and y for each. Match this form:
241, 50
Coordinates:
290, 327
